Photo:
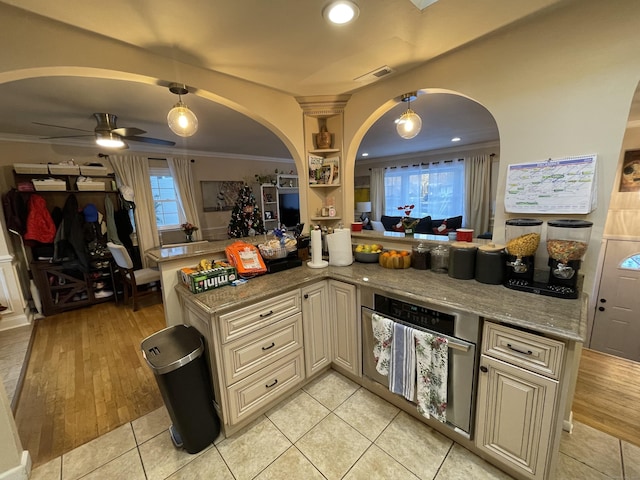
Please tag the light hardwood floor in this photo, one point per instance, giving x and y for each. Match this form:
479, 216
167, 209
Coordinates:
607, 395
87, 376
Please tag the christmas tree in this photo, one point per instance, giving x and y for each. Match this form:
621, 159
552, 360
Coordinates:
246, 219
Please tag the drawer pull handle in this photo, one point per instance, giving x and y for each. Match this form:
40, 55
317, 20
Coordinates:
263, 315
270, 346
528, 352
273, 384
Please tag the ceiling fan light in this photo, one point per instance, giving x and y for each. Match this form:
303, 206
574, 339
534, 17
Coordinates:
109, 140
409, 124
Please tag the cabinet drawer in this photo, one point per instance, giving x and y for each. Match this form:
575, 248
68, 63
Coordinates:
264, 387
250, 353
249, 319
533, 352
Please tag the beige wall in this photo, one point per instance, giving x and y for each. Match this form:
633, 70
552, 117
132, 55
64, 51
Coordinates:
559, 85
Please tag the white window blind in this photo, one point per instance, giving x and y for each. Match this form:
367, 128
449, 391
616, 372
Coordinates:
165, 200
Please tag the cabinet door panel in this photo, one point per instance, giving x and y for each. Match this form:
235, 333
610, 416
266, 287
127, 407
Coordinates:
344, 326
317, 333
515, 411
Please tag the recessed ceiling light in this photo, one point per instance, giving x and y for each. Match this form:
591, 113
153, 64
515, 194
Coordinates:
341, 12
365, 154
455, 139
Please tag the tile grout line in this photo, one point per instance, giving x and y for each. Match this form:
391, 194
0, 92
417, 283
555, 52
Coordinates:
444, 459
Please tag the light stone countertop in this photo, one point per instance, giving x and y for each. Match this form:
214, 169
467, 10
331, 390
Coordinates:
201, 249
561, 318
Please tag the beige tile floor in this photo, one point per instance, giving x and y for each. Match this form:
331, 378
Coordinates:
331, 429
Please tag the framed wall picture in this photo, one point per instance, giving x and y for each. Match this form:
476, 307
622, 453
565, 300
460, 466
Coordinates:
219, 196
630, 176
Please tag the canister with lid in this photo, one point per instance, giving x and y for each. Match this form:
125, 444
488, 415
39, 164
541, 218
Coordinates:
490, 264
462, 260
420, 258
440, 259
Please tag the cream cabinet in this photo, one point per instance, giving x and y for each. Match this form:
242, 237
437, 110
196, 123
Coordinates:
517, 398
343, 314
256, 355
316, 327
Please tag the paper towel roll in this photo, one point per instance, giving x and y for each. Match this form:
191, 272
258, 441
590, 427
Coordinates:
316, 247
316, 250
339, 243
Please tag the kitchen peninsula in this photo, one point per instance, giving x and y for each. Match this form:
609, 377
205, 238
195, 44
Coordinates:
270, 336
170, 259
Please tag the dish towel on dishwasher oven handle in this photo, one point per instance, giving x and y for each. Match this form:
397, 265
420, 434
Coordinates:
402, 370
432, 357
382, 333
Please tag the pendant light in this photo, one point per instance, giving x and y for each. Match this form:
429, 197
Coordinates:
181, 120
409, 123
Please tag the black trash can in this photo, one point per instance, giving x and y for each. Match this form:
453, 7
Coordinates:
176, 356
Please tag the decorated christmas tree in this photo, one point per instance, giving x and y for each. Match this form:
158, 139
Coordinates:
246, 219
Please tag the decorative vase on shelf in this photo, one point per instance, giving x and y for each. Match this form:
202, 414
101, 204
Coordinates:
189, 238
323, 139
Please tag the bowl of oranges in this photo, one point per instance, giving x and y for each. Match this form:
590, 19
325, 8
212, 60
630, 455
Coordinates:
395, 259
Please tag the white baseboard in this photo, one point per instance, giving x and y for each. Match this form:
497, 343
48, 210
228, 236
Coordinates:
21, 472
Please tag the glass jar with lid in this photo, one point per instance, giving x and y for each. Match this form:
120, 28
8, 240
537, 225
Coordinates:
420, 257
440, 259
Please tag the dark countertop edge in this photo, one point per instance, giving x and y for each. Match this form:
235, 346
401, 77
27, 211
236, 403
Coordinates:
339, 273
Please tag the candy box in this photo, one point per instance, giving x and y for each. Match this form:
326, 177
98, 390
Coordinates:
199, 281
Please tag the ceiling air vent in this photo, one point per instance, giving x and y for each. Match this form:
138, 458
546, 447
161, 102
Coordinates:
374, 74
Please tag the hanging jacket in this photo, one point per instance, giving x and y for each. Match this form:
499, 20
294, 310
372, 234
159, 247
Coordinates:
40, 226
15, 210
112, 231
69, 247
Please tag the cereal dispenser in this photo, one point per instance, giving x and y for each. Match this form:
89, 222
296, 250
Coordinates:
522, 239
567, 242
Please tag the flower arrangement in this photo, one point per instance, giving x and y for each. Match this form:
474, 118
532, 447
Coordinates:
188, 228
407, 223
